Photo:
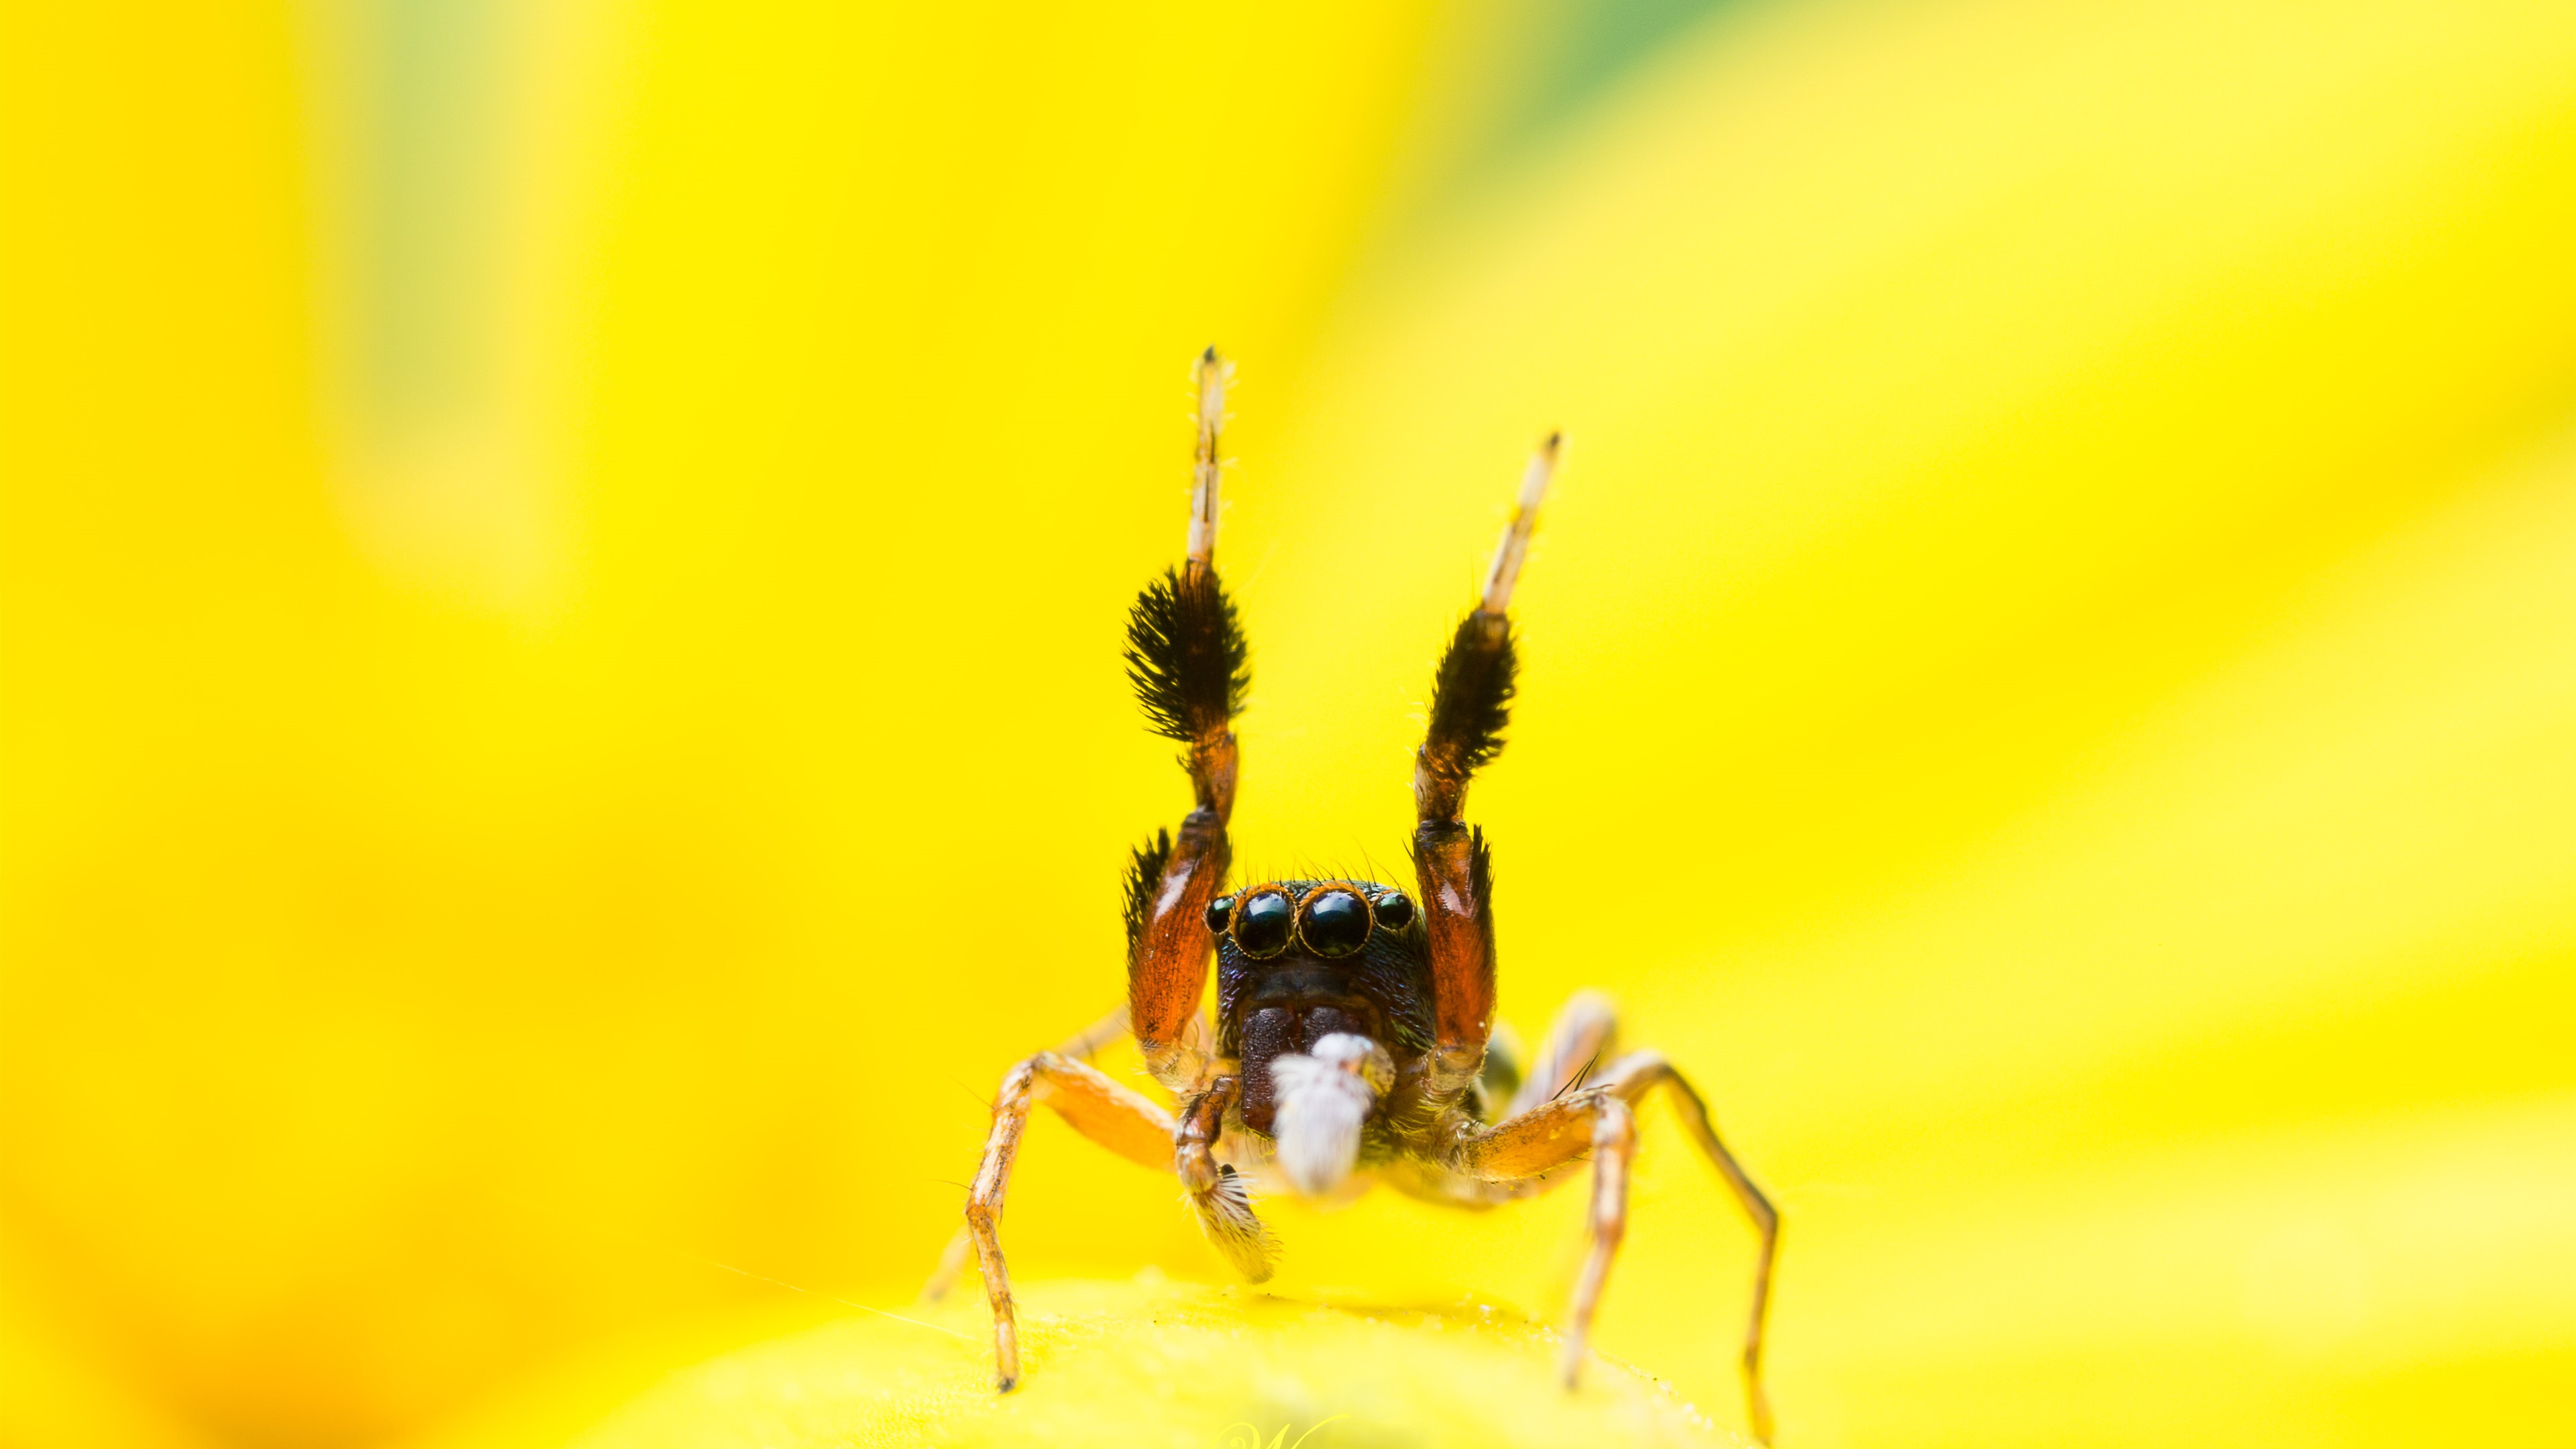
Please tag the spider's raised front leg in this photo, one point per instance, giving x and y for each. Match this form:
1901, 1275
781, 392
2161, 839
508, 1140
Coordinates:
1470, 703
1186, 658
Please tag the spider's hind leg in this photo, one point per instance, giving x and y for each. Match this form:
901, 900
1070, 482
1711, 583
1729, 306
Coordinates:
1081, 1046
1527, 1151
1113, 1116
1631, 1078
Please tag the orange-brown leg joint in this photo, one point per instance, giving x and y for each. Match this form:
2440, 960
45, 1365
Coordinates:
1537, 1141
1167, 973
1457, 911
1212, 761
1445, 764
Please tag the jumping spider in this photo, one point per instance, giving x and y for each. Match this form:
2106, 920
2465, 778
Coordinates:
1352, 1032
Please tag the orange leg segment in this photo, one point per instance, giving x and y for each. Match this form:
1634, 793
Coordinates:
1113, 1116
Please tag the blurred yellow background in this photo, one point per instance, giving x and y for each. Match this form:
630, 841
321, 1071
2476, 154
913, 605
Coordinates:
562, 569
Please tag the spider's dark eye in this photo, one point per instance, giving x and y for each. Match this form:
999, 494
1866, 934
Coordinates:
1267, 919
1220, 911
1337, 923
1395, 910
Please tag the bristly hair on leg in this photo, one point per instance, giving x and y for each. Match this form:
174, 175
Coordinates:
1144, 876
1187, 656
1185, 649
1225, 1216
1471, 695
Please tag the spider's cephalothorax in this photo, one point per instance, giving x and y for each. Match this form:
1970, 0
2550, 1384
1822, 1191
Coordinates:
1299, 962
1352, 1037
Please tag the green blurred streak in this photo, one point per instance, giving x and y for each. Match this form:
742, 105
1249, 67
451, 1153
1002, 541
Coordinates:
1597, 42
425, 209
1576, 52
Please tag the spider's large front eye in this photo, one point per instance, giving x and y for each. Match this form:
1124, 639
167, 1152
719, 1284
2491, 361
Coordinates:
1263, 924
1336, 924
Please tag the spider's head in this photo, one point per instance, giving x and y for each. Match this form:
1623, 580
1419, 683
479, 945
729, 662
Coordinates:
1322, 994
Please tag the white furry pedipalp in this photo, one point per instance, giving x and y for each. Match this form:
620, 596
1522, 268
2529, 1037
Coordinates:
1323, 1100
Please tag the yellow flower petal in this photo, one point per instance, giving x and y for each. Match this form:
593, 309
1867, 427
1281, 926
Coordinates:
1123, 1365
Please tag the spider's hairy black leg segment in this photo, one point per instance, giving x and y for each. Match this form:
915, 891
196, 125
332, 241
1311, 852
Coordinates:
1216, 1193
1471, 697
1098, 1108
1471, 694
1191, 668
1470, 705
1081, 1046
1631, 1078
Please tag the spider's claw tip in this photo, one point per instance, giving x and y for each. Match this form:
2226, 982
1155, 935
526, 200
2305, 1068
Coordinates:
1210, 354
1005, 1384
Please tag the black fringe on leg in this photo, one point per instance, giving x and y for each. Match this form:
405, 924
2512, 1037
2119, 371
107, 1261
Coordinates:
1186, 655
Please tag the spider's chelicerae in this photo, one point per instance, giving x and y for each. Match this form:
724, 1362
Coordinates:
1353, 1032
